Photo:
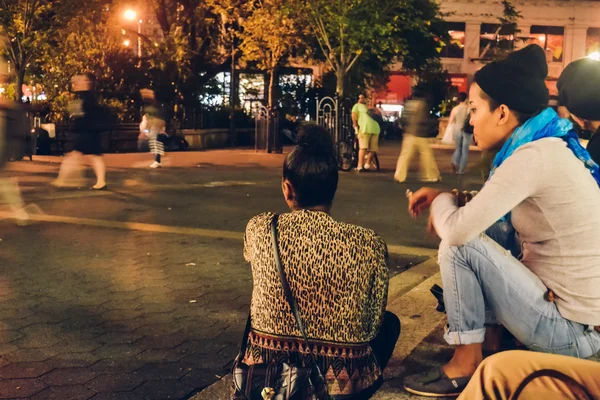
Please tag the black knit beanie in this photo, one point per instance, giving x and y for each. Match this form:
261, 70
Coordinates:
518, 81
579, 88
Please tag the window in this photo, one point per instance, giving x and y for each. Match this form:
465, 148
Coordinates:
252, 90
456, 46
491, 38
295, 98
593, 41
218, 91
252, 86
551, 39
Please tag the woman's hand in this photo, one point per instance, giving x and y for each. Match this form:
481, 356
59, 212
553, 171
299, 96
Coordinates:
421, 200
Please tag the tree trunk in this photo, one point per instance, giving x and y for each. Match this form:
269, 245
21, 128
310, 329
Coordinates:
272, 95
339, 88
20, 81
233, 96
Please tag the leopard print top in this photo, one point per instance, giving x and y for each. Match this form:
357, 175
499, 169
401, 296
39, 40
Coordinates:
336, 271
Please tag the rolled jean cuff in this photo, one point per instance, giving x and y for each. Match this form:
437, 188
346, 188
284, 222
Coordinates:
469, 337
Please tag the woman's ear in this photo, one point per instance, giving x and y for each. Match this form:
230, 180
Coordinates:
504, 114
288, 191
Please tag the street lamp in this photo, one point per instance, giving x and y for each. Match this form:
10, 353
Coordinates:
131, 15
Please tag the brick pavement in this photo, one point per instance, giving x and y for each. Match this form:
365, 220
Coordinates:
92, 312
125, 316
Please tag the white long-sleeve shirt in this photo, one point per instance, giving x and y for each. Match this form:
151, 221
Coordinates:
555, 207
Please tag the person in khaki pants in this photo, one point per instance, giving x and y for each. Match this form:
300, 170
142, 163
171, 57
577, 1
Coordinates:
525, 375
416, 140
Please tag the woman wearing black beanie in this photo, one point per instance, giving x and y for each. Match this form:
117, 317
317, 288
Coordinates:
524, 252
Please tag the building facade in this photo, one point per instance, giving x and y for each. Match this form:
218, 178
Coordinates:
566, 29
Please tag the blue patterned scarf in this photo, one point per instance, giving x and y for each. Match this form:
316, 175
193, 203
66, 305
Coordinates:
545, 125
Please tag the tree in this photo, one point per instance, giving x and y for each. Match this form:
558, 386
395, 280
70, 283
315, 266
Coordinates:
196, 43
271, 32
26, 25
91, 42
505, 35
436, 83
351, 32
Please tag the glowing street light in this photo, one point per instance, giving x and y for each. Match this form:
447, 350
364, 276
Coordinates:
130, 15
126, 43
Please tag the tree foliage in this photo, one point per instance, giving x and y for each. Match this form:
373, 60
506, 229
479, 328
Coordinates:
271, 32
506, 34
89, 42
375, 32
358, 40
26, 26
436, 83
194, 44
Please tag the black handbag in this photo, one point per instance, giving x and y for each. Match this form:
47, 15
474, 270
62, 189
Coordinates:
279, 381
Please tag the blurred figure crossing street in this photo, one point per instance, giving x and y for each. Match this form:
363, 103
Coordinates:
416, 139
14, 128
90, 120
155, 126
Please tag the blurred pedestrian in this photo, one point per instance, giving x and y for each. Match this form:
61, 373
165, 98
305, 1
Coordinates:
14, 127
579, 88
367, 131
143, 136
416, 139
156, 126
462, 134
90, 121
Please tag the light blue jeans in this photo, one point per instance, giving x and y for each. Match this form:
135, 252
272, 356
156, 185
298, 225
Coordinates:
484, 283
461, 153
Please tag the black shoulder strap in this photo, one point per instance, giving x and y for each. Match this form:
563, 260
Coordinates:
244, 345
286, 287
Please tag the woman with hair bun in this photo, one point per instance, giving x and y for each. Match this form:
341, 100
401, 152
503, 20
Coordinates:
337, 273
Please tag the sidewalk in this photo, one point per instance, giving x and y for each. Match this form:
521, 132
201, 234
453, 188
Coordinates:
388, 154
141, 291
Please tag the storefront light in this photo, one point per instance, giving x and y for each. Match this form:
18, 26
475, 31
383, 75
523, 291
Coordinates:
595, 56
392, 107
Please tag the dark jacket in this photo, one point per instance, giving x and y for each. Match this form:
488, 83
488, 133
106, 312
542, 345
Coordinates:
417, 119
593, 147
94, 118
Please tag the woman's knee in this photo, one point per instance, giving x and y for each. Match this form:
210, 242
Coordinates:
451, 256
447, 254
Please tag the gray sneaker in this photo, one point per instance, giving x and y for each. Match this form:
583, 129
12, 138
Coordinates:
435, 383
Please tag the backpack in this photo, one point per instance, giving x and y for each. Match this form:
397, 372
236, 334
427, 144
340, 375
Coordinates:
375, 115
